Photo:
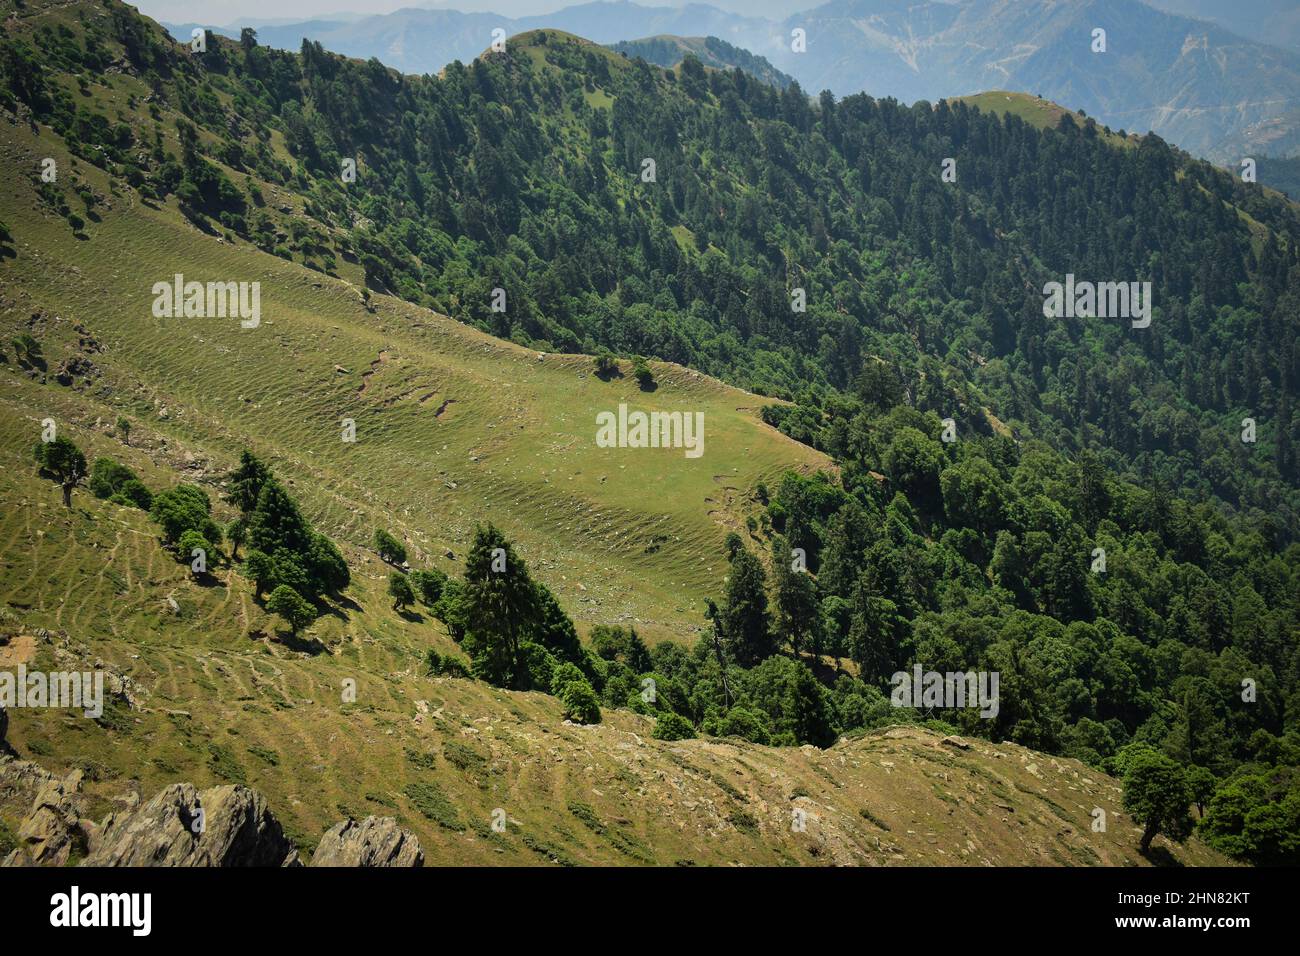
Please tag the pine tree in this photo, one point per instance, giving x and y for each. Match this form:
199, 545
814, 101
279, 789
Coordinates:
501, 607
745, 624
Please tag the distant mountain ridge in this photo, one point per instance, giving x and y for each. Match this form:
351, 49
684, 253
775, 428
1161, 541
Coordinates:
425, 40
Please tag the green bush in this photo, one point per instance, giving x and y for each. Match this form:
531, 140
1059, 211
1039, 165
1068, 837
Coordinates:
563, 674
288, 603
672, 726
445, 665
641, 369
389, 548
540, 665
184, 508
190, 542
580, 702
606, 365
108, 476
428, 585
743, 722
133, 494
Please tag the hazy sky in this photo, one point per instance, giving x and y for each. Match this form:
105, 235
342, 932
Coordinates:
223, 12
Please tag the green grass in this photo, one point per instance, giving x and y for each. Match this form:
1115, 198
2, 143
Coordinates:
433, 803
1034, 110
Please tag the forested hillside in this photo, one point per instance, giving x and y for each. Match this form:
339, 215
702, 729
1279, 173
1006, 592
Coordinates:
523, 171
1090, 522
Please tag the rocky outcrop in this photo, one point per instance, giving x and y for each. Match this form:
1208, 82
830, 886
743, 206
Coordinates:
53, 830
222, 826
228, 826
374, 841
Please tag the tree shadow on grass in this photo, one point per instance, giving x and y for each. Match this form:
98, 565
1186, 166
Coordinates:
1161, 856
306, 645
336, 606
407, 614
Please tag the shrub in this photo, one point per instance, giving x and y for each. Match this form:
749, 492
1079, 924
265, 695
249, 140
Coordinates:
428, 585
389, 548
540, 664
606, 365
433, 803
672, 726
563, 674
641, 369
135, 494
287, 603
446, 665
184, 508
190, 542
400, 590
742, 722
580, 703
108, 476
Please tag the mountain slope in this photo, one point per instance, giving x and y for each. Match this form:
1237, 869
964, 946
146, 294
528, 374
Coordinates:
1275, 22
698, 264
712, 52
453, 427
208, 706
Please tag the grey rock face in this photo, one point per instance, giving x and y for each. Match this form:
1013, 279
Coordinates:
374, 841
180, 826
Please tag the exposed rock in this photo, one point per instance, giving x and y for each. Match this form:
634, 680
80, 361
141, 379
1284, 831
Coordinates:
374, 841
77, 366
53, 829
957, 742
235, 828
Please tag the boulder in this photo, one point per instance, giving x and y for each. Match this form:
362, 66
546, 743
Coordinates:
235, 828
53, 830
374, 841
